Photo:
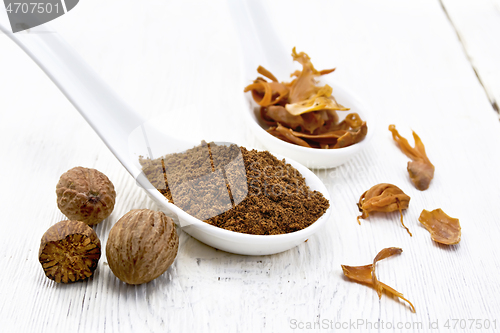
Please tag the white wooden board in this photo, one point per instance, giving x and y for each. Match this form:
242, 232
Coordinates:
182, 59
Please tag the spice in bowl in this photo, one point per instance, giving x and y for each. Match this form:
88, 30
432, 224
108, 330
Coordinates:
302, 112
266, 195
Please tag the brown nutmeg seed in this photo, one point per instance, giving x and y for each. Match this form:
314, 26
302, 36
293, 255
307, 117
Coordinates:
69, 251
85, 195
141, 246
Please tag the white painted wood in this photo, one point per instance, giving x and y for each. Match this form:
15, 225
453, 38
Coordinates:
181, 59
478, 26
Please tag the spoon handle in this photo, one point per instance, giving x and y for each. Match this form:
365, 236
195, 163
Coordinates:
107, 114
260, 45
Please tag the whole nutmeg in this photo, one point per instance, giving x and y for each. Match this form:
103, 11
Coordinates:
85, 195
69, 251
141, 246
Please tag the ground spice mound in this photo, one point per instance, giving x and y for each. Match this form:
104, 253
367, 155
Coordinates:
272, 199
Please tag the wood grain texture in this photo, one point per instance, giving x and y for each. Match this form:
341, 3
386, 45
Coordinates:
180, 60
477, 24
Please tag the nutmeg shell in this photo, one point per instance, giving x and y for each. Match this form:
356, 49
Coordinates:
85, 195
69, 251
141, 246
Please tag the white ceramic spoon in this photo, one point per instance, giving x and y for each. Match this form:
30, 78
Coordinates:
128, 136
260, 45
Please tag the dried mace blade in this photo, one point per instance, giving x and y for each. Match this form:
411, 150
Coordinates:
366, 274
383, 198
69, 251
443, 228
420, 168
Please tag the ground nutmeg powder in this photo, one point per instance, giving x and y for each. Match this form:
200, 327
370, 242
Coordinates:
263, 195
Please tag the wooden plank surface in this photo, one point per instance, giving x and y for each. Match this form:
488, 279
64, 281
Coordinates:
181, 59
477, 24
